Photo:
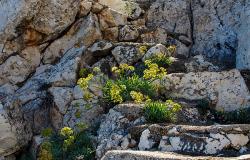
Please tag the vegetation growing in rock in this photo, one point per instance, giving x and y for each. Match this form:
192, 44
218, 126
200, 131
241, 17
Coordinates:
67, 144
159, 112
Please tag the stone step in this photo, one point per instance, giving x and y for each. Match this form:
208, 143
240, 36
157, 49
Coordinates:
230, 140
147, 155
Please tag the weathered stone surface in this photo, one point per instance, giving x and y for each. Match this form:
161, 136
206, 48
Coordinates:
110, 18
146, 155
85, 7
17, 68
62, 96
153, 51
28, 107
127, 54
129, 8
128, 33
195, 139
8, 141
101, 48
171, 15
114, 128
216, 87
199, 64
84, 32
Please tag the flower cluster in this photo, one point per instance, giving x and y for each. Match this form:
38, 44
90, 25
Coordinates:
175, 107
122, 69
143, 49
154, 71
115, 93
83, 82
67, 133
138, 97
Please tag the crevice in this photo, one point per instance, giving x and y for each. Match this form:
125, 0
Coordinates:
191, 19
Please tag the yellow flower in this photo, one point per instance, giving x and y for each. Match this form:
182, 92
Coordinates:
96, 69
174, 106
114, 69
137, 96
66, 132
83, 82
143, 49
115, 92
153, 71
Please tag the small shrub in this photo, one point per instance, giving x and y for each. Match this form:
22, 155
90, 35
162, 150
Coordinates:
67, 145
159, 112
161, 60
119, 91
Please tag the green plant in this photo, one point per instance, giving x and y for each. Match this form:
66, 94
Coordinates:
120, 90
161, 60
47, 132
159, 112
67, 145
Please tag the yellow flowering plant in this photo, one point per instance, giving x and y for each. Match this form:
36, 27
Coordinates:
153, 71
123, 69
83, 82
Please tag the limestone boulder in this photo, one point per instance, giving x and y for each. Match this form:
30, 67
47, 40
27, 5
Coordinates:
84, 32
226, 90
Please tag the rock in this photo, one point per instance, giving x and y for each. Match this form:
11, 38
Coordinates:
87, 112
7, 89
47, 17
128, 33
131, 9
215, 30
216, 143
36, 142
111, 34
9, 142
199, 64
215, 86
77, 92
148, 155
113, 130
153, 51
62, 96
17, 68
83, 33
29, 106
242, 53
126, 54
106, 64
85, 7
238, 140
101, 48
97, 8
145, 142
110, 18
170, 15
205, 140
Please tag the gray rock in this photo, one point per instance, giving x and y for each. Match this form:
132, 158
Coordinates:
214, 86
128, 33
126, 54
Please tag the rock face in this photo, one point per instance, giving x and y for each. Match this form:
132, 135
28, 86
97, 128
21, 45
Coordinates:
207, 140
9, 143
45, 43
214, 86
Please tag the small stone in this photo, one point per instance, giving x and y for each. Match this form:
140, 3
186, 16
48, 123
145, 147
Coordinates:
145, 142
238, 140
85, 7
158, 49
